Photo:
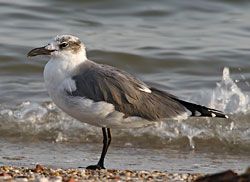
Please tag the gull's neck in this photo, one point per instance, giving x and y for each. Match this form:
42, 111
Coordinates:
62, 67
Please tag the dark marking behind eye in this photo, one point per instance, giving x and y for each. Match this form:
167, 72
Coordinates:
75, 46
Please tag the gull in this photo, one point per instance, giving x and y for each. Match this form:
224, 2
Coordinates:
105, 96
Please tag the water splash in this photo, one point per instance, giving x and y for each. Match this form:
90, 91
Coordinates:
228, 97
46, 122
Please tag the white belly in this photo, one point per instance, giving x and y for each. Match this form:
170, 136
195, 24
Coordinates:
101, 114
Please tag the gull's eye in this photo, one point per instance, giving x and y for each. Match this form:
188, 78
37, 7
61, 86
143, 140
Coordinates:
64, 44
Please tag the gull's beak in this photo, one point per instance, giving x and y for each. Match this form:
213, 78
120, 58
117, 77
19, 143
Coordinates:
39, 51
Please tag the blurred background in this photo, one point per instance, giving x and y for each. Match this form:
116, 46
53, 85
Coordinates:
198, 50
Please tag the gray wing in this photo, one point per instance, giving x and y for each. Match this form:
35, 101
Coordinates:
105, 83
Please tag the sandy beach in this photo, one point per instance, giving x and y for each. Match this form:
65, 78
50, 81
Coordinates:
42, 174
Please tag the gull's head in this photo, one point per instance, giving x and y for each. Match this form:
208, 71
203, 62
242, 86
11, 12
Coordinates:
62, 47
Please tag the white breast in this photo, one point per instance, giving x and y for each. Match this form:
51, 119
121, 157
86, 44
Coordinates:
57, 77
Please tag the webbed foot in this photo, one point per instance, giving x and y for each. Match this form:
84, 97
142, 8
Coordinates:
95, 167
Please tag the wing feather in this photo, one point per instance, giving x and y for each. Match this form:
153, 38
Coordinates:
106, 83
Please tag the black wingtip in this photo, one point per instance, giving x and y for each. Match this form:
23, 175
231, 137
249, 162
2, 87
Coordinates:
202, 111
216, 113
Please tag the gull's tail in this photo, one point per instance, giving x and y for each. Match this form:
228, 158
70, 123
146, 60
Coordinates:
201, 111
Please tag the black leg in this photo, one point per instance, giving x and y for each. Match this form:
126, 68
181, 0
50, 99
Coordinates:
106, 142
